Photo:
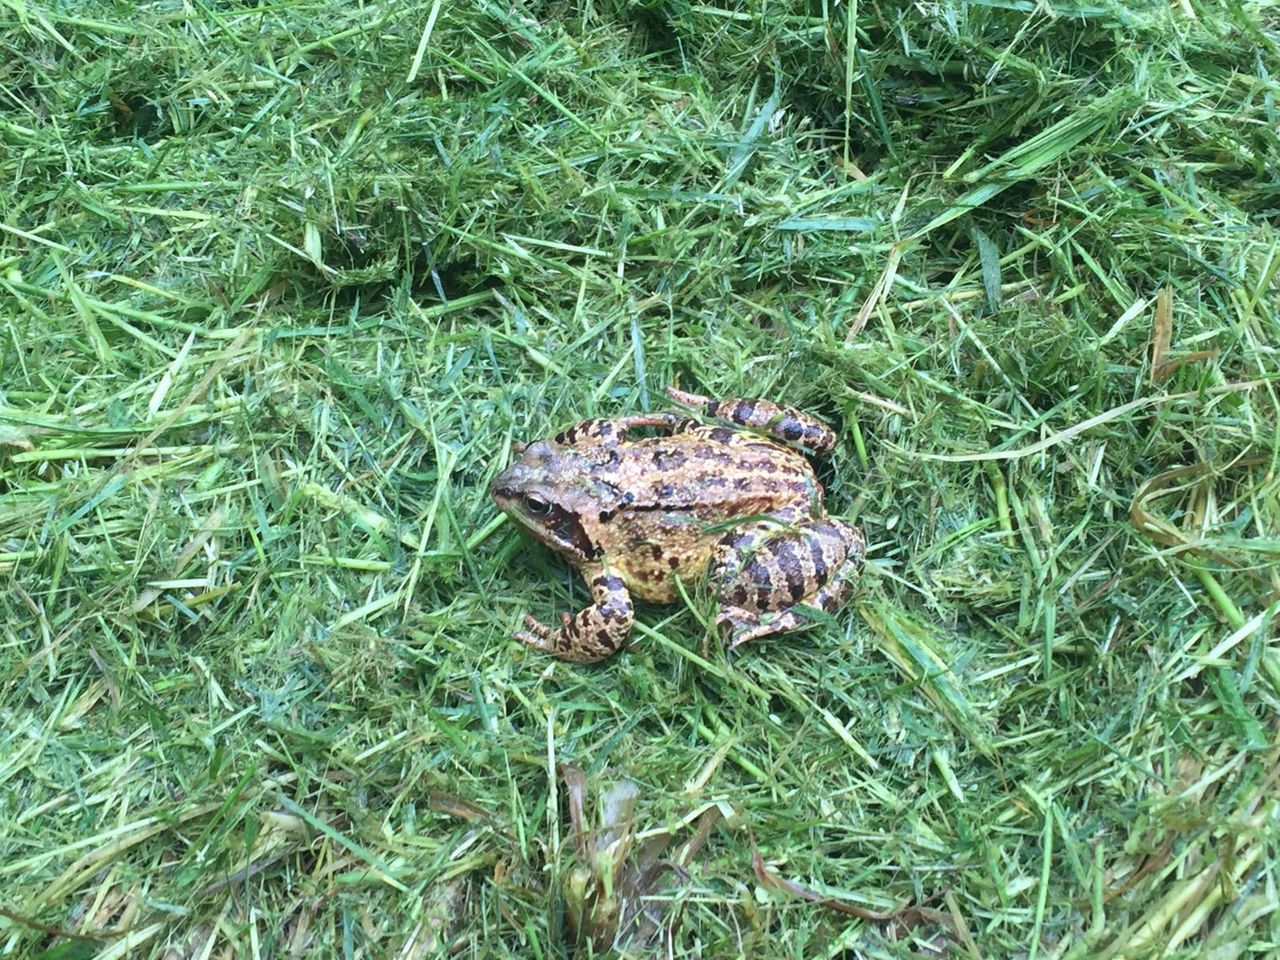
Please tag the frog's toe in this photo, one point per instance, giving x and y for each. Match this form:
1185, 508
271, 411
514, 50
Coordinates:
687, 399
738, 626
537, 634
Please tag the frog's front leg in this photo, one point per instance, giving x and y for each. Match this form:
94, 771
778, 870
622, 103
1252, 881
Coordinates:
763, 574
783, 423
596, 631
612, 431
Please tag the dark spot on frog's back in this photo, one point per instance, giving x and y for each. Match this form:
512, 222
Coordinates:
624, 501
666, 458
789, 485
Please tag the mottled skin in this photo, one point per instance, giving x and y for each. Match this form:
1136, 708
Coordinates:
735, 504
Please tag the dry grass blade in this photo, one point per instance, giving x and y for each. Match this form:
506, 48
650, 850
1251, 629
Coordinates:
612, 894
1161, 334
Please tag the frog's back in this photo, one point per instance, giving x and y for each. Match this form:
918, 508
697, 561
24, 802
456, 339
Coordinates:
717, 472
688, 490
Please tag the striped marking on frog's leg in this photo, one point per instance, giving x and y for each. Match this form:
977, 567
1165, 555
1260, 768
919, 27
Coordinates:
734, 552
812, 564
597, 631
782, 423
610, 431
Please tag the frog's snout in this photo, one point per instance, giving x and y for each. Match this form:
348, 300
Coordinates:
528, 455
504, 484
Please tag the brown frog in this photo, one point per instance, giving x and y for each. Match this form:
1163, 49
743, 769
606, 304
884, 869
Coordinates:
738, 504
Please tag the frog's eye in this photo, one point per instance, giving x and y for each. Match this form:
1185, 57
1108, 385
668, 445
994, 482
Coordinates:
537, 506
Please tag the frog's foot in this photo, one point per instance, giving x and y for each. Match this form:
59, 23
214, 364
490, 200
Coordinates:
595, 632
782, 423
738, 626
539, 634
766, 576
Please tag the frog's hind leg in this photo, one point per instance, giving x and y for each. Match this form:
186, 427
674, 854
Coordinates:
782, 423
595, 632
612, 431
764, 575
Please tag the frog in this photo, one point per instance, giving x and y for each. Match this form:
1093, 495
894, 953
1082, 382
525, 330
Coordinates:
722, 490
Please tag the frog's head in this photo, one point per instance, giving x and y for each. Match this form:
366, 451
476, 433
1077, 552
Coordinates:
552, 493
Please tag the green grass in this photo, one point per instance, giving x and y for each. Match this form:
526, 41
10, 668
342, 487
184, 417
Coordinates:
281, 284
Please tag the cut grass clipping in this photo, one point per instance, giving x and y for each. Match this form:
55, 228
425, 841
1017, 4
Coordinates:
282, 284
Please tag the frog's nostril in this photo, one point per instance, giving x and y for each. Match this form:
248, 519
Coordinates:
503, 485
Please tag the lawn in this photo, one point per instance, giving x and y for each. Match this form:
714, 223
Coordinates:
285, 283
